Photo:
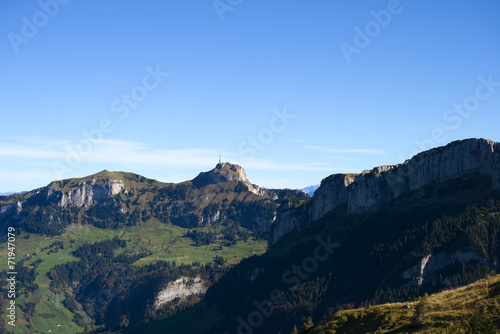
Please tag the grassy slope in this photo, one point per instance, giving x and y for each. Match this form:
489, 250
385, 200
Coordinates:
165, 241
448, 312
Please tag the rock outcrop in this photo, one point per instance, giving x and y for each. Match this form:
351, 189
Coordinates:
375, 188
13, 208
426, 270
332, 192
88, 193
94, 190
372, 189
288, 218
181, 287
223, 172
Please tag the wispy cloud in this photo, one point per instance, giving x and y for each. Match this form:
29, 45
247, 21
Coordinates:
20, 151
344, 150
6, 174
35, 150
28, 162
363, 142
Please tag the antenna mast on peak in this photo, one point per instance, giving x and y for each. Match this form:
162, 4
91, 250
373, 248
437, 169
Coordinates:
219, 158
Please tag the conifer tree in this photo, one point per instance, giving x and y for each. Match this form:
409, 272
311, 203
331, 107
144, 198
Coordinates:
307, 325
421, 310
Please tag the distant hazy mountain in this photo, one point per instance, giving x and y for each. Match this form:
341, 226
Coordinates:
7, 193
310, 190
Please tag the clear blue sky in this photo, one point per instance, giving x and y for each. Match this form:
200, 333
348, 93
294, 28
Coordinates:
291, 90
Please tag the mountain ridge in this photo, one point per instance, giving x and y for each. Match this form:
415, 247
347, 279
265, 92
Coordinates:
211, 196
370, 190
403, 243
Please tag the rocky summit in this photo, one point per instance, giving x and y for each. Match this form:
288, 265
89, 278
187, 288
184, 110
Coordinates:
223, 172
226, 172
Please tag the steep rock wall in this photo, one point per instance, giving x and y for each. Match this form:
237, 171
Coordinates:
288, 219
372, 189
91, 192
425, 271
181, 287
383, 184
331, 193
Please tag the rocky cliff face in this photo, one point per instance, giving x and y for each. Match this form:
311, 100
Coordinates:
425, 271
14, 208
332, 192
375, 188
372, 189
181, 287
87, 193
82, 194
296, 219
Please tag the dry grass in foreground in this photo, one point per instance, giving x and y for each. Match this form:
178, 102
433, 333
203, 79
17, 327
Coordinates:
471, 309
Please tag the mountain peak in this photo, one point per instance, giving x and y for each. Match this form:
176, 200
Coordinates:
223, 172
230, 172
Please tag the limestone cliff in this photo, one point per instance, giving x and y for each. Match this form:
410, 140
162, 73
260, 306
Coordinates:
181, 287
376, 188
14, 208
372, 189
72, 192
331, 193
296, 218
424, 272
88, 193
